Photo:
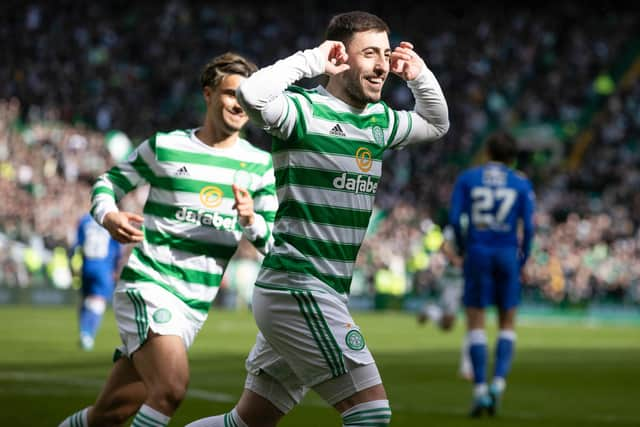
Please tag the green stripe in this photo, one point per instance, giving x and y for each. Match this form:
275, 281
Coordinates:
135, 309
394, 130
73, 420
279, 288
193, 186
367, 413
269, 216
137, 422
172, 155
300, 126
321, 341
140, 166
152, 141
116, 177
102, 190
336, 348
185, 274
144, 322
261, 242
138, 313
92, 211
320, 178
229, 421
134, 276
268, 190
145, 417
327, 144
285, 264
329, 215
190, 185
322, 249
360, 121
212, 250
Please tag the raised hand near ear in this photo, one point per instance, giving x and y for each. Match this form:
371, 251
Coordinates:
405, 62
336, 57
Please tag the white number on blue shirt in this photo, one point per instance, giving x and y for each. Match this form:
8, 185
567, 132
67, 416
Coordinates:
484, 203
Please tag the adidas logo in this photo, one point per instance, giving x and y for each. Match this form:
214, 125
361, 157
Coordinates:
182, 172
337, 130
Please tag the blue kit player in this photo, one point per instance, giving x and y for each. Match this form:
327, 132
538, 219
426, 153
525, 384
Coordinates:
492, 215
100, 257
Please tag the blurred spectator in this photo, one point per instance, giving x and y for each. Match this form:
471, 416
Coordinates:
74, 72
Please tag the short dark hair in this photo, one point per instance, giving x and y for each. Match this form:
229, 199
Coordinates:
225, 64
502, 147
343, 26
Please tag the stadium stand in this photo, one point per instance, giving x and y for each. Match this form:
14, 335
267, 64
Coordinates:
551, 75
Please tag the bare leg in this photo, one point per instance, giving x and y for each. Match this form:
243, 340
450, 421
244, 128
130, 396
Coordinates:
120, 398
163, 365
256, 411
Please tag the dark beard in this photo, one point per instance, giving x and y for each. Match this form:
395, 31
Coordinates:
355, 92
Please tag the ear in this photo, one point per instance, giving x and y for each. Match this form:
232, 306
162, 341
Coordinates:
207, 92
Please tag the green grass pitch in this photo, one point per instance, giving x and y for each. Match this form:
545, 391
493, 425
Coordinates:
563, 374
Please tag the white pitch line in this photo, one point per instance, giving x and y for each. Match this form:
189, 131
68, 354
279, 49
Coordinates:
96, 383
209, 396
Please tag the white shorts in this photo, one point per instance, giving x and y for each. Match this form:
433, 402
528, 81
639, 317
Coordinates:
142, 307
306, 339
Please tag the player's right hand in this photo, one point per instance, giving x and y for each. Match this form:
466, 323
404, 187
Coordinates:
119, 225
335, 54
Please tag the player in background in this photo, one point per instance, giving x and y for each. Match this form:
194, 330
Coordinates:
208, 188
327, 152
100, 258
498, 202
443, 312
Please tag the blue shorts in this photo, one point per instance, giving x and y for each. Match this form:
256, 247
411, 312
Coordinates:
96, 283
491, 277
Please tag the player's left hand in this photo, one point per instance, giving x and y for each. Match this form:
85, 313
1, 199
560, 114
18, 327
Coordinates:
244, 205
405, 62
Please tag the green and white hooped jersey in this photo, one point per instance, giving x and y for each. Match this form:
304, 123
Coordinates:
190, 228
327, 173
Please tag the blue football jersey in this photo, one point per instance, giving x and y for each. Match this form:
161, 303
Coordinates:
487, 204
100, 252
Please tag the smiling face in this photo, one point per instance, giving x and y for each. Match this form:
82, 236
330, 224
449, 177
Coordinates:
223, 110
369, 53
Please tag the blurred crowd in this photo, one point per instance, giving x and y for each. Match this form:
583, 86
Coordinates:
561, 77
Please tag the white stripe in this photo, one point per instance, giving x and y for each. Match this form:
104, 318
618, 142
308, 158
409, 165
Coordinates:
187, 290
102, 182
321, 126
197, 171
149, 157
325, 197
337, 105
197, 232
182, 259
329, 233
267, 203
189, 200
322, 161
241, 151
288, 280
